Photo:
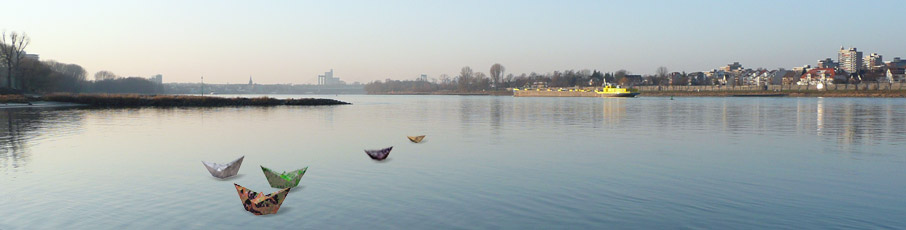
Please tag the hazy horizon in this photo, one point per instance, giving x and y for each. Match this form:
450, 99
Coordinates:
293, 42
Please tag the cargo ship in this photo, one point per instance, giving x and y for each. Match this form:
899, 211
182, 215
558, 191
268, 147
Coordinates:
606, 91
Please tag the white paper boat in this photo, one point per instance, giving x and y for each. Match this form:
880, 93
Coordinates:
223, 170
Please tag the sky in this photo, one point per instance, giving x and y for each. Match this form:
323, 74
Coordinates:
362, 41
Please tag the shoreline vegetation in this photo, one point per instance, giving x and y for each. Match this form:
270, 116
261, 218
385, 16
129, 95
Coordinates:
135, 100
466, 93
816, 93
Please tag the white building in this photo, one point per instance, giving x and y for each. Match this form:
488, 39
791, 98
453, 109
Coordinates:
850, 60
328, 79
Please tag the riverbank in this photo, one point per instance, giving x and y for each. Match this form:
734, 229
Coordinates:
805, 93
131, 100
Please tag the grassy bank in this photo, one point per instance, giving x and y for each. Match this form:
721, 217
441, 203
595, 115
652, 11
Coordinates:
13, 98
793, 93
131, 100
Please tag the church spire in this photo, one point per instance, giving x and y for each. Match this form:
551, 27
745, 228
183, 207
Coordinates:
250, 81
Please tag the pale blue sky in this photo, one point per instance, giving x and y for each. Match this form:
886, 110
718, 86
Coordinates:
294, 41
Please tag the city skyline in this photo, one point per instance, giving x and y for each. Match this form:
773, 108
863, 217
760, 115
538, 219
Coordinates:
294, 42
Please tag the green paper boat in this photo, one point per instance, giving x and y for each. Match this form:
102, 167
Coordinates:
284, 180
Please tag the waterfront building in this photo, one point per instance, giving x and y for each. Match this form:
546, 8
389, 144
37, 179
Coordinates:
850, 60
896, 63
698, 78
633, 79
873, 62
720, 76
732, 67
820, 75
827, 63
776, 76
790, 77
423, 77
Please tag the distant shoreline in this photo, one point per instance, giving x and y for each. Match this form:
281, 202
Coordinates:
808, 93
727, 93
133, 100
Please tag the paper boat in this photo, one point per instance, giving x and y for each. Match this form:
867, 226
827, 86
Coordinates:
285, 179
261, 204
416, 139
223, 170
379, 154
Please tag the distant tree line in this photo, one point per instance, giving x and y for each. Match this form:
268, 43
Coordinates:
24, 74
469, 80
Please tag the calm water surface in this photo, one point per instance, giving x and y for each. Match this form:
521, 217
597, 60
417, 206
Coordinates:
487, 163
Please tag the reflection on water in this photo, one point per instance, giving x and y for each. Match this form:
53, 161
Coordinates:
487, 163
23, 126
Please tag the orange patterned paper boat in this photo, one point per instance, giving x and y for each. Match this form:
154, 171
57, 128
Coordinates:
261, 204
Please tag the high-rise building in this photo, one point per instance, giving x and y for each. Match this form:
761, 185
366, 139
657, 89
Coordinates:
873, 62
850, 60
423, 77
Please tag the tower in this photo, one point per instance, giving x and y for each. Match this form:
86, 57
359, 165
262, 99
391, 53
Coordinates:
850, 60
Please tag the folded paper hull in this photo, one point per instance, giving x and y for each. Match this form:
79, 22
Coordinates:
260, 204
285, 179
379, 154
416, 139
224, 170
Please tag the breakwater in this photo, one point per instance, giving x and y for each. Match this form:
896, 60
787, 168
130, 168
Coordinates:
132, 100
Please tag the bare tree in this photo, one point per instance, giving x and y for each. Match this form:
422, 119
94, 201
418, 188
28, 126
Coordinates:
12, 50
104, 75
480, 81
662, 72
72, 70
496, 72
465, 78
617, 77
508, 79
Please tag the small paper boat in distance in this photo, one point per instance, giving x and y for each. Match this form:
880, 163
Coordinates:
416, 139
261, 204
285, 179
379, 155
224, 170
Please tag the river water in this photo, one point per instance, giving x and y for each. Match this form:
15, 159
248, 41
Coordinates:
487, 163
